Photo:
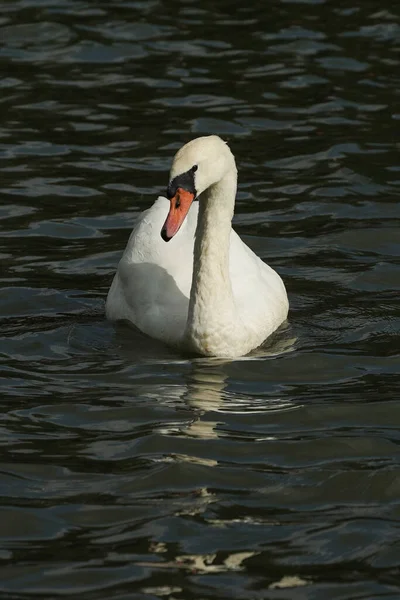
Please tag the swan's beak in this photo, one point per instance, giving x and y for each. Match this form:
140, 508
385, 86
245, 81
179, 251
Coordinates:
178, 210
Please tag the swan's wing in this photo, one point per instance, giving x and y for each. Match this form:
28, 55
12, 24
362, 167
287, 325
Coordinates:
259, 292
152, 285
176, 256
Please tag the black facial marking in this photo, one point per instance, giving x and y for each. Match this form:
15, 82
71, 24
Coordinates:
185, 181
164, 235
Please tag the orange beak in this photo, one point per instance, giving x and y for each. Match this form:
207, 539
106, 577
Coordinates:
178, 210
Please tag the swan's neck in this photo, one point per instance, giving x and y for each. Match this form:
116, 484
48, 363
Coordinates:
211, 306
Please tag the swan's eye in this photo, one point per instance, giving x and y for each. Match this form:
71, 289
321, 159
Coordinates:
194, 168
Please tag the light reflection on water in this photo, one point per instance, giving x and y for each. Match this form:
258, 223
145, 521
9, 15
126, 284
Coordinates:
127, 469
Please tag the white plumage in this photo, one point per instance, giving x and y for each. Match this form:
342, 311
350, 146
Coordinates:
214, 297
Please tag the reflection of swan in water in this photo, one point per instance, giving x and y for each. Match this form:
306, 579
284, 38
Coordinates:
208, 390
205, 386
208, 393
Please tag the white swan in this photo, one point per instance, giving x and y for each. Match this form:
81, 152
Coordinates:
205, 290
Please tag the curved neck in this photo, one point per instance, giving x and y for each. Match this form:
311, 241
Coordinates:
211, 299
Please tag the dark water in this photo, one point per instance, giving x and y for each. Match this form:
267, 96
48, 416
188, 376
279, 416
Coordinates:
128, 471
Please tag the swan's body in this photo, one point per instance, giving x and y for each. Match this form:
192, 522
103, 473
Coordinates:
204, 290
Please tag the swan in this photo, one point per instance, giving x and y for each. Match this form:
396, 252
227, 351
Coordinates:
185, 277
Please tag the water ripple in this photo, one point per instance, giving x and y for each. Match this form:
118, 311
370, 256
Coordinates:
127, 469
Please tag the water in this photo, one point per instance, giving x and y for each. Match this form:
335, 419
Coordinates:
129, 471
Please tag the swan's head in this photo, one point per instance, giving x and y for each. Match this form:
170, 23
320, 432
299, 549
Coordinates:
198, 165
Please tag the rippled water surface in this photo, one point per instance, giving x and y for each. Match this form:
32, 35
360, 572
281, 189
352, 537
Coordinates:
129, 471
